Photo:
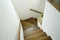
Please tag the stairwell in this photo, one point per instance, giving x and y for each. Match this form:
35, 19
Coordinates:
32, 31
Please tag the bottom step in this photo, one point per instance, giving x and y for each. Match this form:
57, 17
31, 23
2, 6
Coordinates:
46, 38
37, 36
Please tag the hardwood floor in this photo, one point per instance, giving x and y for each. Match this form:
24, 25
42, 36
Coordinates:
32, 31
56, 5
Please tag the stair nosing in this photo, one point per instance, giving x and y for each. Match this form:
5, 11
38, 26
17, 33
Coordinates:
35, 31
36, 35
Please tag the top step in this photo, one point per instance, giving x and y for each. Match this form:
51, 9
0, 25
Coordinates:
32, 20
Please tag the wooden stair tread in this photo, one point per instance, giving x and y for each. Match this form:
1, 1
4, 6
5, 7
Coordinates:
45, 38
26, 25
31, 20
31, 29
33, 32
36, 36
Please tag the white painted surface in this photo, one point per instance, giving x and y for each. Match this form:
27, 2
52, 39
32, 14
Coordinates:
23, 8
39, 25
9, 21
21, 33
51, 21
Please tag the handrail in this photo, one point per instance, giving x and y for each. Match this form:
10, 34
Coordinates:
35, 11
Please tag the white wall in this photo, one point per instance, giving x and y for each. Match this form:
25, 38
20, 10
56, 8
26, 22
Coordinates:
23, 7
51, 21
9, 21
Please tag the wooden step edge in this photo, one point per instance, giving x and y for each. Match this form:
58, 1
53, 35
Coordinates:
32, 22
45, 38
31, 18
28, 27
24, 23
32, 26
44, 34
34, 32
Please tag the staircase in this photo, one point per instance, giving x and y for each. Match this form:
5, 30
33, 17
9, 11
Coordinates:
32, 31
